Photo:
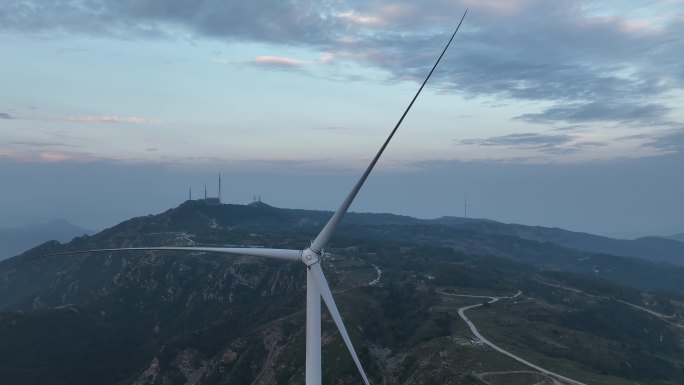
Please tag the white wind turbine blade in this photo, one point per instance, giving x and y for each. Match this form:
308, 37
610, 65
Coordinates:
326, 294
326, 233
285, 254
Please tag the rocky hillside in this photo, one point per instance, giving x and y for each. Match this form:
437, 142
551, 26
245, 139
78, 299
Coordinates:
198, 318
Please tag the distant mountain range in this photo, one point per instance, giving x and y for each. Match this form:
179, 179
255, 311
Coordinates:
15, 240
670, 249
651, 248
677, 237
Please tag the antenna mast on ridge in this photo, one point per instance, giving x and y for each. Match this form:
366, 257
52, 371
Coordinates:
465, 207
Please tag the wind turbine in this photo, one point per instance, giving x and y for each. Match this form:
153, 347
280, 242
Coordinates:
316, 284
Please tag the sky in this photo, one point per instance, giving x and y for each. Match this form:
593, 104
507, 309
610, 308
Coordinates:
566, 113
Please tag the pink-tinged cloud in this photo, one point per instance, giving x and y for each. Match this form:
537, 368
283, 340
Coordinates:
279, 61
107, 119
46, 156
286, 62
327, 58
53, 157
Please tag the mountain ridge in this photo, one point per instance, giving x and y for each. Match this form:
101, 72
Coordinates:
677, 237
651, 248
206, 319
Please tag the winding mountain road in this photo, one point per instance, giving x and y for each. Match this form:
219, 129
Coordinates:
461, 312
376, 281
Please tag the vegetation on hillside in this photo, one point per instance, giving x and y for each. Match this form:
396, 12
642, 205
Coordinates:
200, 318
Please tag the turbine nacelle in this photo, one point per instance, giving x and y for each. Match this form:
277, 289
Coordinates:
310, 257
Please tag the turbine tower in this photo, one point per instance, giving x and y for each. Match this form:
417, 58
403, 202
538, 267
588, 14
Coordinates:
316, 284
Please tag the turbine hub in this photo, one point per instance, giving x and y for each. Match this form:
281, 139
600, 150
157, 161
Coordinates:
310, 257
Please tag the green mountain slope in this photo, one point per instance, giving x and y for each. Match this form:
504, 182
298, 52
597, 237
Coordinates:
176, 318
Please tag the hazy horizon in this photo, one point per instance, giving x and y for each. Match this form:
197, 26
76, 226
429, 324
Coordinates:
514, 193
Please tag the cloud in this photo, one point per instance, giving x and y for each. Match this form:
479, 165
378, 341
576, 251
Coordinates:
647, 113
65, 50
47, 156
561, 52
525, 140
106, 119
551, 143
540, 51
332, 128
667, 140
265, 21
278, 61
354, 17
84, 119
572, 127
42, 144
289, 63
